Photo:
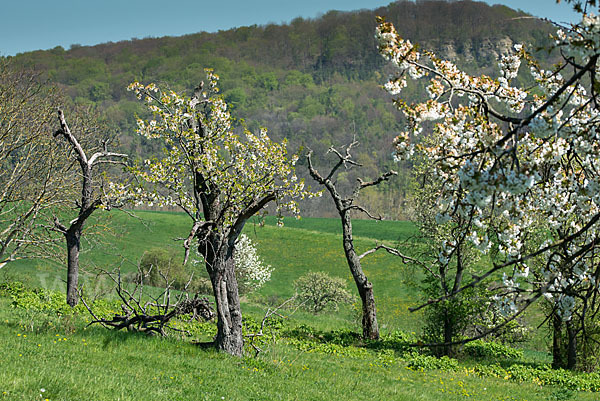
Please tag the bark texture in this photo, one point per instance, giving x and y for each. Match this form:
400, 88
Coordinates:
363, 285
218, 256
557, 343
564, 344
73, 247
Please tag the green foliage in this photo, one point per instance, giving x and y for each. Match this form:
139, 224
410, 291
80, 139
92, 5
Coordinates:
318, 291
162, 266
159, 265
419, 361
297, 78
280, 76
236, 97
455, 314
491, 350
11, 288
99, 91
398, 340
42, 300
338, 342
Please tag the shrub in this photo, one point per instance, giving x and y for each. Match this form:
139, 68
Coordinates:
448, 320
493, 350
418, 361
11, 288
159, 266
318, 291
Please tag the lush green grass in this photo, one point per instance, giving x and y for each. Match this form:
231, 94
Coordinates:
388, 230
309, 244
41, 351
294, 251
101, 365
300, 246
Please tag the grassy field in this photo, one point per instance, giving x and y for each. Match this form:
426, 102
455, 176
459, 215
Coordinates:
70, 362
310, 244
41, 350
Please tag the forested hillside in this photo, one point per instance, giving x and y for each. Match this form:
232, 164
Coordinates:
315, 82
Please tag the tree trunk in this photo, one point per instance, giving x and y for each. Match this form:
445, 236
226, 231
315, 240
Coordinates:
221, 269
365, 288
558, 360
73, 244
448, 333
571, 346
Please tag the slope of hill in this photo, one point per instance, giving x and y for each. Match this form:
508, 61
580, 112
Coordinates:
312, 81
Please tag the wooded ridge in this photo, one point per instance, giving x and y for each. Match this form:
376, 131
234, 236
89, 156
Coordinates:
315, 82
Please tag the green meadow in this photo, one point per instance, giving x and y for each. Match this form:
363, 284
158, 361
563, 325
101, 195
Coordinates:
304, 357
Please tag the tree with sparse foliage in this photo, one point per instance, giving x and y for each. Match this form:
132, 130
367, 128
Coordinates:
91, 180
34, 173
218, 178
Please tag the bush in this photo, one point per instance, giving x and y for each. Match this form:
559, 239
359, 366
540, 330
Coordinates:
318, 291
11, 288
418, 361
159, 266
492, 350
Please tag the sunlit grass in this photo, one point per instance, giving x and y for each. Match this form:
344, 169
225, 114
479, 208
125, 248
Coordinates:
73, 363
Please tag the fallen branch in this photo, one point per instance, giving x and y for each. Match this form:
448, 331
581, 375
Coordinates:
154, 315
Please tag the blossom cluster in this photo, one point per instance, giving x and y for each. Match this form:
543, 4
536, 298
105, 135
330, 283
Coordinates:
205, 158
512, 161
251, 272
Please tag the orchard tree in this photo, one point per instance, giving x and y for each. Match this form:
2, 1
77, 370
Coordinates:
218, 178
93, 194
345, 205
518, 165
38, 179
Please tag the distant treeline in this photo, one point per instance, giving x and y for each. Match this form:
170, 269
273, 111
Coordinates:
315, 82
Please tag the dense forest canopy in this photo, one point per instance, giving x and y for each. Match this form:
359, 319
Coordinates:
315, 82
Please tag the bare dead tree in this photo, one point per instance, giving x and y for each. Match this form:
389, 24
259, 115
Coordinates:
143, 312
344, 206
90, 201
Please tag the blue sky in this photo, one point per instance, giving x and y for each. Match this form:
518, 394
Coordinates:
43, 24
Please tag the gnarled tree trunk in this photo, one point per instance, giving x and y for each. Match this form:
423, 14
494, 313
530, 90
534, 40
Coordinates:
564, 344
87, 205
221, 269
557, 343
344, 207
